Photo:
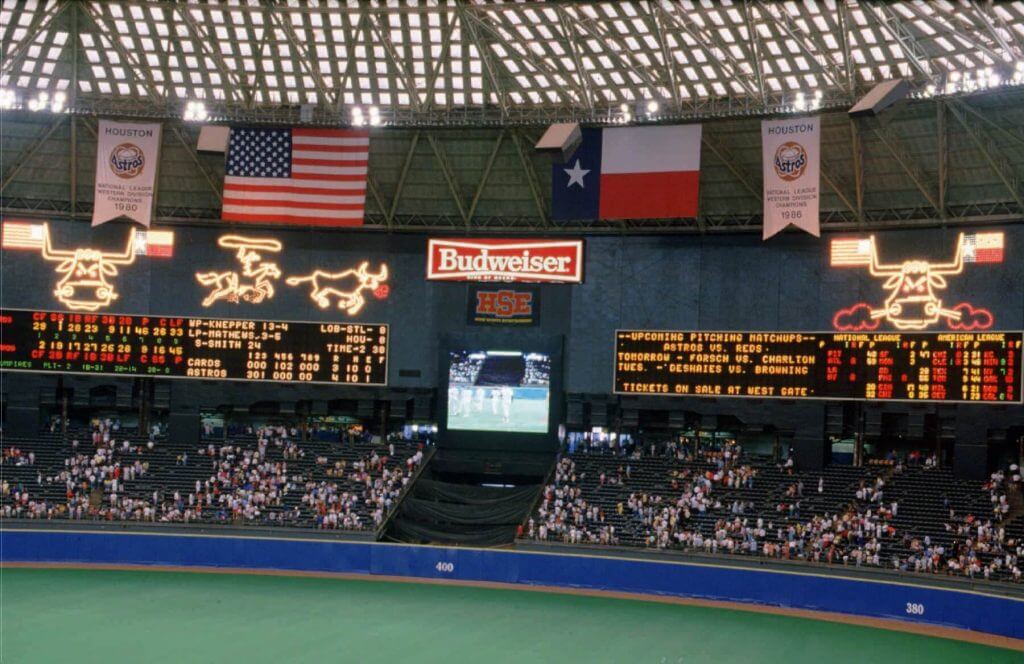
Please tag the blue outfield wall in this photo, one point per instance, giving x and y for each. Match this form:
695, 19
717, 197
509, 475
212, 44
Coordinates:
821, 592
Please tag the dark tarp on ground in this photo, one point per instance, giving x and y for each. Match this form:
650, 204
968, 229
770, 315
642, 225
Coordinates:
503, 513
470, 494
443, 512
402, 530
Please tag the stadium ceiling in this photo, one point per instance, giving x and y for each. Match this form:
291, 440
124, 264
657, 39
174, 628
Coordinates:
472, 62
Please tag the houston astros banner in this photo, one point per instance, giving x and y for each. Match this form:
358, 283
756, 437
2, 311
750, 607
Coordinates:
792, 174
127, 154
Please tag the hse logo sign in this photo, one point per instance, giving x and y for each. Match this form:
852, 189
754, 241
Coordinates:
914, 287
557, 261
500, 306
504, 303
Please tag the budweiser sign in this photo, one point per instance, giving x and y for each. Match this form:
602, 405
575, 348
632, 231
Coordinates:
559, 261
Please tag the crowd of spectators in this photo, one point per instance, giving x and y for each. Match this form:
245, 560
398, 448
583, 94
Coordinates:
564, 514
705, 510
464, 368
537, 370
981, 546
372, 481
260, 476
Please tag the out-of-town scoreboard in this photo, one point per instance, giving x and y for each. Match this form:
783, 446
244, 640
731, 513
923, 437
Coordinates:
189, 347
919, 366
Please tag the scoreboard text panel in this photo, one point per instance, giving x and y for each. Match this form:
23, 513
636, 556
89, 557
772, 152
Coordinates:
189, 347
920, 366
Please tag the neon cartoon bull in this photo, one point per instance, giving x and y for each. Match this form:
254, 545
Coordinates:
913, 287
85, 285
347, 286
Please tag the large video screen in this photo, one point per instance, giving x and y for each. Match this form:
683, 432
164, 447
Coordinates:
499, 390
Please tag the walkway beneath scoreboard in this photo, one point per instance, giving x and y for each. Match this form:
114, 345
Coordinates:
470, 498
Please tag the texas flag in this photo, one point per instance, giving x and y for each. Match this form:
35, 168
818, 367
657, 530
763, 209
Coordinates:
629, 173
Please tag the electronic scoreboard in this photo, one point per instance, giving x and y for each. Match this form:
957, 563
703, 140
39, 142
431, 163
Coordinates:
978, 367
188, 347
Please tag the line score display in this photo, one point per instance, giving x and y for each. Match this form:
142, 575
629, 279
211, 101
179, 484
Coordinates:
917, 366
190, 347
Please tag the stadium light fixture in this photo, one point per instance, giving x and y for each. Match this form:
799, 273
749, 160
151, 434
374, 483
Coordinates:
40, 103
374, 116
358, 119
8, 99
652, 106
195, 111
57, 105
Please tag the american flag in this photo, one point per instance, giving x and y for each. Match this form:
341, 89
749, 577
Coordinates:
852, 251
23, 235
315, 177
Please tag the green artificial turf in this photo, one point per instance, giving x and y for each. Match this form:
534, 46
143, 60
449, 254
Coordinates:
85, 616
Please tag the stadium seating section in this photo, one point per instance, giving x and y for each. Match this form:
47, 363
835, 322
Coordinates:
924, 519
312, 484
915, 517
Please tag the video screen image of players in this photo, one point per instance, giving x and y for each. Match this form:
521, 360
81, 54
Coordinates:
496, 390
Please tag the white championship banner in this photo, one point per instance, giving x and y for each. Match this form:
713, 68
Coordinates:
127, 154
791, 154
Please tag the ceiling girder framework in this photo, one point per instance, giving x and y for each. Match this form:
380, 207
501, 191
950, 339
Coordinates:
926, 162
473, 62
